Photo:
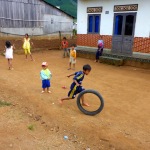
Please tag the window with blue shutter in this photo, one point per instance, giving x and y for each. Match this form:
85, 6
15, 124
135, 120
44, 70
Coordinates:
94, 23
90, 23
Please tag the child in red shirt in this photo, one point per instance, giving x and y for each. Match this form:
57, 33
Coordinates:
64, 45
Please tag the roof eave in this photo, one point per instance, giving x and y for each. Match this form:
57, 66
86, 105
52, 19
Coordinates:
58, 9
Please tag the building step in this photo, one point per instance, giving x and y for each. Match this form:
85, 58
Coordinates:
111, 60
137, 59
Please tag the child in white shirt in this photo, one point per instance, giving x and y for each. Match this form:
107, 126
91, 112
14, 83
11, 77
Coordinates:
9, 54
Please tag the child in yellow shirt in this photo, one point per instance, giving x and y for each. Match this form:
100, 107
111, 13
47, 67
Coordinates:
27, 46
72, 57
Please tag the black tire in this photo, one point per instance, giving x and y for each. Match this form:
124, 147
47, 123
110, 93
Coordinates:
91, 113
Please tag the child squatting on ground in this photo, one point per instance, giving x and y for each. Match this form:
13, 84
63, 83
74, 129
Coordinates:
9, 54
76, 86
27, 46
45, 75
72, 60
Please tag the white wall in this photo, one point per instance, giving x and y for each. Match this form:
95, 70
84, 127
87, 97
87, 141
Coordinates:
142, 28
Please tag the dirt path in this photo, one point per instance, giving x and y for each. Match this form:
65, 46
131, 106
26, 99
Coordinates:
123, 124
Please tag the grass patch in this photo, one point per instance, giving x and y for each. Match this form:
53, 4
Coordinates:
31, 127
4, 103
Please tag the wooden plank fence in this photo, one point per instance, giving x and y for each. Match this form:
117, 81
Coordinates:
33, 14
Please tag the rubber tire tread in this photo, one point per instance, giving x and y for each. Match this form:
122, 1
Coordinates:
91, 113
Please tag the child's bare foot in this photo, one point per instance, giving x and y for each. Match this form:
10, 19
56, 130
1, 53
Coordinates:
42, 92
85, 104
61, 101
49, 92
69, 68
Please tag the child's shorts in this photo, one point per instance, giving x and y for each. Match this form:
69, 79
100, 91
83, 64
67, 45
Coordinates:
72, 60
74, 90
45, 84
27, 51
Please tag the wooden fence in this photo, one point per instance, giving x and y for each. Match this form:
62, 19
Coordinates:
33, 14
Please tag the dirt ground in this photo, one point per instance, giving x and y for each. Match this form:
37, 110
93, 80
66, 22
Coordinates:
36, 121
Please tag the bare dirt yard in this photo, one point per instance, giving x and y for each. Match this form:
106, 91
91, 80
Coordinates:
36, 121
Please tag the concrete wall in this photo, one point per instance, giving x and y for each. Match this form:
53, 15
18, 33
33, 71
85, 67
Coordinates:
142, 28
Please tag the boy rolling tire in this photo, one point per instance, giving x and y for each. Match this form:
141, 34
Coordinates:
84, 109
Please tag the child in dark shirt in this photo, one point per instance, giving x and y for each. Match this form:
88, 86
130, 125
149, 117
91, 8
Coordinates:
76, 86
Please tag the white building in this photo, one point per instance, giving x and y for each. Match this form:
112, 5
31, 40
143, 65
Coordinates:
124, 25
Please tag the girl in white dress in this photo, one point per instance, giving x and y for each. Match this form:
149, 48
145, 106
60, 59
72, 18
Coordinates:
9, 54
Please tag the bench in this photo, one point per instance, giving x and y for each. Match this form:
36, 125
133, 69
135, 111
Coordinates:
111, 60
